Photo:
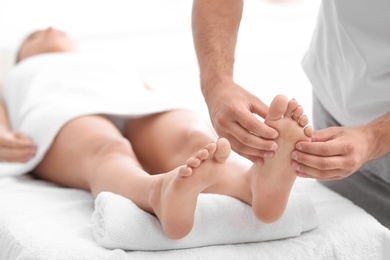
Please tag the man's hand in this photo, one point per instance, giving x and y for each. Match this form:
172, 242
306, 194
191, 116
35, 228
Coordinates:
232, 111
334, 153
16, 147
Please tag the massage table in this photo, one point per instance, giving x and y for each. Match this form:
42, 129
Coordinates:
40, 220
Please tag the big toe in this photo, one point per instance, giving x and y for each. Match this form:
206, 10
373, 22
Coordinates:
277, 108
223, 150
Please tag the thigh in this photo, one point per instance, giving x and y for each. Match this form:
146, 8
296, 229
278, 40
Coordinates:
166, 140
72, 156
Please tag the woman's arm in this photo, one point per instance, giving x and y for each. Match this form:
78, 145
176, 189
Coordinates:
4, 124
14, 146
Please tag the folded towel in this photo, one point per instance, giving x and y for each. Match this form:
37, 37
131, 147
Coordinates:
118, 223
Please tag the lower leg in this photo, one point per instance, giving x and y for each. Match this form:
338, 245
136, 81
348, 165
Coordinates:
89, 154
159, 147
166, 140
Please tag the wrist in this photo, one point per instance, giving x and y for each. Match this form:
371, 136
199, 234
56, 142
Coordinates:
378, 137
4, 129
371, 142
211, 85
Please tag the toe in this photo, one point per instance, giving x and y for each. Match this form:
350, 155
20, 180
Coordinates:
308, 130
292, 105
211, 148
185, 171
277, 108
303, 120
298, 112
193, 162
203, 154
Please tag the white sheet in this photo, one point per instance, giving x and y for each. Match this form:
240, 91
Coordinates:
41, 221
54, 88
118, 223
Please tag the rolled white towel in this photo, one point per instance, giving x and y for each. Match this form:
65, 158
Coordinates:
118, 223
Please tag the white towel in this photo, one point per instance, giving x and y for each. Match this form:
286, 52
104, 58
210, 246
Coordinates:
118, 223
44, 92
39, 220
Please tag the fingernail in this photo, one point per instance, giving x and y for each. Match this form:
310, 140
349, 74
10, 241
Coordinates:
274, 147
295, 166
298, 146
268, 155
276, 134
259, 162
294, 156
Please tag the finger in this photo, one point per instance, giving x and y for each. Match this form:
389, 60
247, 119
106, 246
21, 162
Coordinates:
324, 135
247, 150
303, 175
249, 143
317, 162
16, 155
252, 124
21, 135
330, 148
11, 141
316, 173
258, 107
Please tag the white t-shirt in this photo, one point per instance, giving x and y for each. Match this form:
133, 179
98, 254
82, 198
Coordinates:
348, 62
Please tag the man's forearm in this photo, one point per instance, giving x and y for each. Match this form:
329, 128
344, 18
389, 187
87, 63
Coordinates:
379, 131
215, 25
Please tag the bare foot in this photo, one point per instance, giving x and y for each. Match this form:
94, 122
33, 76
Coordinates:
271, 183
174, 195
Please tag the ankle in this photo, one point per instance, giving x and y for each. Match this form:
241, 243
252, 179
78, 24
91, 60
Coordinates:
244, 192
154, 194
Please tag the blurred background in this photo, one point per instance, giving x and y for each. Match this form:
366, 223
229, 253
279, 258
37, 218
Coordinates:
156, 36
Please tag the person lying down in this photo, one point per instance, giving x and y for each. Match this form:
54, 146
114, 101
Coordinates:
98, 128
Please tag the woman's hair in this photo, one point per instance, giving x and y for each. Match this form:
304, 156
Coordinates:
17, 57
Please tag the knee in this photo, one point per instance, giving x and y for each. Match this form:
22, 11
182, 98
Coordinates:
196, 138
113, 147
